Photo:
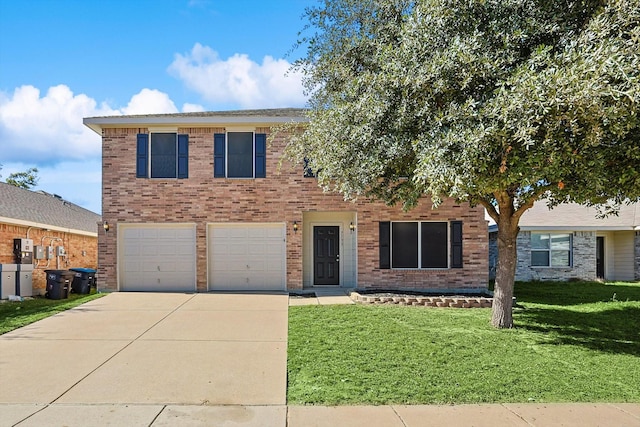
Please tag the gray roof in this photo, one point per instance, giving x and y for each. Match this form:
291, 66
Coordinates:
571, 216
38, 208
269, 112
264, 117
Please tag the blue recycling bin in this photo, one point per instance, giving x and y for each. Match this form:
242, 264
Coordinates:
82, 280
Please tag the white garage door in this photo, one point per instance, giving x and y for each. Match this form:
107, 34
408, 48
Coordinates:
247, 257
157, 257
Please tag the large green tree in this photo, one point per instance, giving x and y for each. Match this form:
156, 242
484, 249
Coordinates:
495, 102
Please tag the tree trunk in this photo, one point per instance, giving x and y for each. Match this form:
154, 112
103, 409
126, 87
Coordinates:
505, 273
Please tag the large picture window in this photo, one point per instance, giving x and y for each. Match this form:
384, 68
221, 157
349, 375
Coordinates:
420, 245
551, 249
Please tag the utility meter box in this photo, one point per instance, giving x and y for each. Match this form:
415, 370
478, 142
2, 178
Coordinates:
23, 251
38, 252
48, 252
22, 245
60, 251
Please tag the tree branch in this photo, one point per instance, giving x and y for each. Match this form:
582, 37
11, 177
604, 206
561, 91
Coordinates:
531, 200
491, 210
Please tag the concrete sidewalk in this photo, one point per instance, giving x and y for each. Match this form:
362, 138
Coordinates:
506, 415
141, 359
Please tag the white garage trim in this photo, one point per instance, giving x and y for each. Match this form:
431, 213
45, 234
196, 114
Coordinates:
157, 257
247, 256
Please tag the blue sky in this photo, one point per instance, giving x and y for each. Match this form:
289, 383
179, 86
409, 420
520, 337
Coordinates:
62, 60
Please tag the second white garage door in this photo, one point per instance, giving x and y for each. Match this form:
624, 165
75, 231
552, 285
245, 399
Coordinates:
247, 257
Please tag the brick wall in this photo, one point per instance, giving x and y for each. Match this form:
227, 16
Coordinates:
281, 197
81, 250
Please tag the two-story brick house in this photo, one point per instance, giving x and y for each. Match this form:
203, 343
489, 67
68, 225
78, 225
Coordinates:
198, 202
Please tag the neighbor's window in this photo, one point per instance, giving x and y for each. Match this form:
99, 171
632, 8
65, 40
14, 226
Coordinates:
239, 155
162, 155
550, 250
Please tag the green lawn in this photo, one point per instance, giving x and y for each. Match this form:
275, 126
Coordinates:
573, 342
14, 315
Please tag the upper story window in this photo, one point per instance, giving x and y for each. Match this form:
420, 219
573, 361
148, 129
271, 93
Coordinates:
239, 155
162, 155
421, 244
551, 250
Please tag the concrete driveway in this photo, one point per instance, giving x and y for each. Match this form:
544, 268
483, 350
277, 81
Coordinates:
130, 356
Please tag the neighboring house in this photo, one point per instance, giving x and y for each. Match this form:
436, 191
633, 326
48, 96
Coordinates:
198, 202
570, 242
49, 221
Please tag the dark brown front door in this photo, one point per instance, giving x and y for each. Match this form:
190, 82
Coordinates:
326, 256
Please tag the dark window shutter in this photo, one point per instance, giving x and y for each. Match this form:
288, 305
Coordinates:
183, 156
142, 155
385, 245
219, 155
456, 244
261, 155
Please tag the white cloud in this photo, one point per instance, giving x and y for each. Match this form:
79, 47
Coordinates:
45, 129
191, 108
150, 101
238, 79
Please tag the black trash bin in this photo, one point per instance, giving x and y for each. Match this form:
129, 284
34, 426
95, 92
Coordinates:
83, 280
58, 283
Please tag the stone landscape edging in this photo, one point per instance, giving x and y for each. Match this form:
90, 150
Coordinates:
424, 300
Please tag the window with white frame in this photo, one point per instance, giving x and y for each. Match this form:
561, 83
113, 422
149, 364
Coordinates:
551, 249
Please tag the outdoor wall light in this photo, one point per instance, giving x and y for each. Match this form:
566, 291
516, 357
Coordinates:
352, 227
295, 226
105, 226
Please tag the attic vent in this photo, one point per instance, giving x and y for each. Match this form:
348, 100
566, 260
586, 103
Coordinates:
57, 196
